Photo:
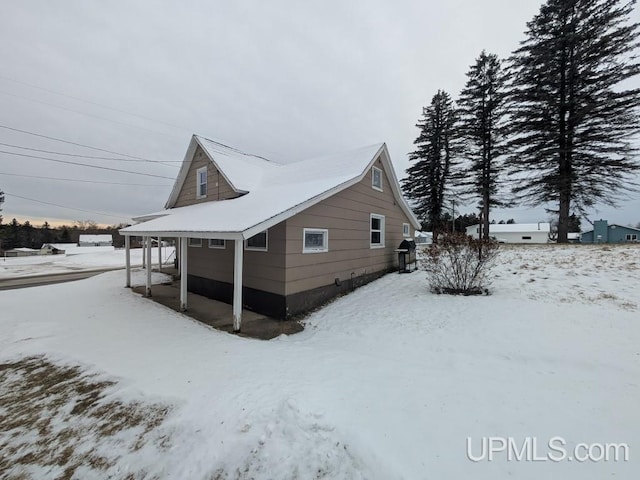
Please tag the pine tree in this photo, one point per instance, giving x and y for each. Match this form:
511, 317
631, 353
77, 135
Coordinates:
428, 178
572, 122
482, 110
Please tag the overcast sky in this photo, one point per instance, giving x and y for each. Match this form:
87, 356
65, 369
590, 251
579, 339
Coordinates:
286, 79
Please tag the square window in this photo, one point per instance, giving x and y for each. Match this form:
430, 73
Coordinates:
315, 240
216, 243
195, 242
201, 182
406, 230
376, 178
377, 231
258, 242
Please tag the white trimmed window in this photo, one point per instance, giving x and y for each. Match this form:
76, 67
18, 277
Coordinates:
376, 178
259, 242
201, 182
406, 230
195, 242
217, 243
631, 237
377, 231
315, 240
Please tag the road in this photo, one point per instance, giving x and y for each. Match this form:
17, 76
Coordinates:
51, 278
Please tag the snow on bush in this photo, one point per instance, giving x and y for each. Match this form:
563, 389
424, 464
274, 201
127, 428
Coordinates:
460, 264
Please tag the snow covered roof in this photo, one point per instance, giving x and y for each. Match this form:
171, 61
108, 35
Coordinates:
615, 225
60, 246
275, 191
96, 238
22, 249
516, 227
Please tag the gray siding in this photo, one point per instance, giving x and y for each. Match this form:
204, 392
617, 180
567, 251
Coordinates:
217, 187
346, 215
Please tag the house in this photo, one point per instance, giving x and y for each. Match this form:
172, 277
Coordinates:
21, 252
423, 238
602, 232
105, 240
515, 232
56, 248
279, 239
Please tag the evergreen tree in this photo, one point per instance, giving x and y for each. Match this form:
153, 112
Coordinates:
482, 110
428, 178
572, 120
14, 235
46, 235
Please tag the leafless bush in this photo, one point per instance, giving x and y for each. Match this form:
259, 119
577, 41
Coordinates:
460, 264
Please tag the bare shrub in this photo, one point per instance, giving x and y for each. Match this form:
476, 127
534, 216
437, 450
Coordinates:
460, 264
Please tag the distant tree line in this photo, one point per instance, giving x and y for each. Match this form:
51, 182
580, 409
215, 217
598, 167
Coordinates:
15, 234
551, 125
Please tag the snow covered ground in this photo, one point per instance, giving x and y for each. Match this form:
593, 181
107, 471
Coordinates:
388, 382
82, 258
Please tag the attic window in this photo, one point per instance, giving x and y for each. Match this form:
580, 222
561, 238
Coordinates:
258, 242
406, 230
376, 178
201, 182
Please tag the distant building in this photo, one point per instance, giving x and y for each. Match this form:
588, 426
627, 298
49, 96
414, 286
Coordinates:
423, 238
95, 240
515, 232
57, 248
21, 252
602, 232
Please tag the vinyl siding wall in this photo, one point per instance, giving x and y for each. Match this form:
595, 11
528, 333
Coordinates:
217, 187
346, 216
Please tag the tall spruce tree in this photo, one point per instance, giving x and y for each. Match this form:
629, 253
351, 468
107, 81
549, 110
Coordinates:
572, 121
481, 107
434, 157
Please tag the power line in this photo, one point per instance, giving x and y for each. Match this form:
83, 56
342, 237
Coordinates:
85, 165
95, 103
64, 206
77, 144
84, 181
88, 156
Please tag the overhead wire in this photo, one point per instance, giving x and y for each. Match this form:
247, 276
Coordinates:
65, 206
84, 181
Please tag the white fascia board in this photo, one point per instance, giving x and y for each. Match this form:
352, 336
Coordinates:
184, 234
395, 187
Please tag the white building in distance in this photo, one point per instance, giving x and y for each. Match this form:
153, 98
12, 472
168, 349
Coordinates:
515, 232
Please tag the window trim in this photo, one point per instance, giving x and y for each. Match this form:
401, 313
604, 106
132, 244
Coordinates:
373, 178
629, 237
258, 249
192, 240
198, 184
219, 247
382, 230
406, 230
325, 246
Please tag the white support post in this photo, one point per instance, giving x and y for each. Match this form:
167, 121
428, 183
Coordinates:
237, 285
183, 274
127, 258
144, 256
159, 253
147, 290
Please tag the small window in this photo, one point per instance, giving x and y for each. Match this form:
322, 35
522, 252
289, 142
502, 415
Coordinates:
216, 243
526, 238
201, 182
406, 230
376, 178
631, 237
195, 242
258, 242
377, 231
315, 240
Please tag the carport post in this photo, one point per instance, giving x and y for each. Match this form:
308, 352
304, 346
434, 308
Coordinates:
147, 290
237, 285
127, 258
183, 274
159, 253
